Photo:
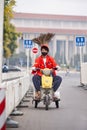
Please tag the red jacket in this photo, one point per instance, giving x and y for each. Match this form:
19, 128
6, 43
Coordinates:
39, 63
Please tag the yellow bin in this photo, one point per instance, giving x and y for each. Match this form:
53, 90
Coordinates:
47, 81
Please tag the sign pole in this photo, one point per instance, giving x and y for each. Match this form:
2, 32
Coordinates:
28, 44
27, 60
34, 50
80, 41
80, 62
80, 55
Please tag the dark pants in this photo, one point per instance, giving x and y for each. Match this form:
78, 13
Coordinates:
37, 82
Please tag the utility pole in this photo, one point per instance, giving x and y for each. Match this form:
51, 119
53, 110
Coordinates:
1, 36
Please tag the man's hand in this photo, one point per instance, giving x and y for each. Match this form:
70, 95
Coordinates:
33, 68
58, 68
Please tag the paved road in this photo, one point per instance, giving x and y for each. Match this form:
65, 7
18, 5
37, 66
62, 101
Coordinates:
72, 114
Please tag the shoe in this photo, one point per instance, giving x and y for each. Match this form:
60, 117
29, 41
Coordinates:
56, 95
37, 95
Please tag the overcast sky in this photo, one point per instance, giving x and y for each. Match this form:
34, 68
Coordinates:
67, 7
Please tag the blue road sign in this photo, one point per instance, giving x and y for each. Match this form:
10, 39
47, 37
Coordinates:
80, 41
28, 43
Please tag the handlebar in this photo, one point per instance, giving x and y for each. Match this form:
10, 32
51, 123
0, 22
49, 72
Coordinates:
46, 71
55, 68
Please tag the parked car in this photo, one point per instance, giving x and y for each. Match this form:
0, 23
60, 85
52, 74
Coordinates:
5, 68
14, 68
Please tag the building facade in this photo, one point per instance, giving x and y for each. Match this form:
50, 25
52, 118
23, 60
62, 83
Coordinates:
66, 28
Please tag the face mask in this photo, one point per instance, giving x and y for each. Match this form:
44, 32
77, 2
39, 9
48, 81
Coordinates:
44, 53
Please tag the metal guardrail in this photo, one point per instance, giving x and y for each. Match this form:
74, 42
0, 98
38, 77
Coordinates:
84, 73
12, 75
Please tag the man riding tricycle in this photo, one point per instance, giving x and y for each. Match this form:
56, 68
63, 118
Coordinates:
45, 79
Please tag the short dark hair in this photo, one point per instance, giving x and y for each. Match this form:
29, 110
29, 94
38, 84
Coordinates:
44, 47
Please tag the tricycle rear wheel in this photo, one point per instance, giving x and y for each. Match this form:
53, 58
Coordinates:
36, 103
57, 104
